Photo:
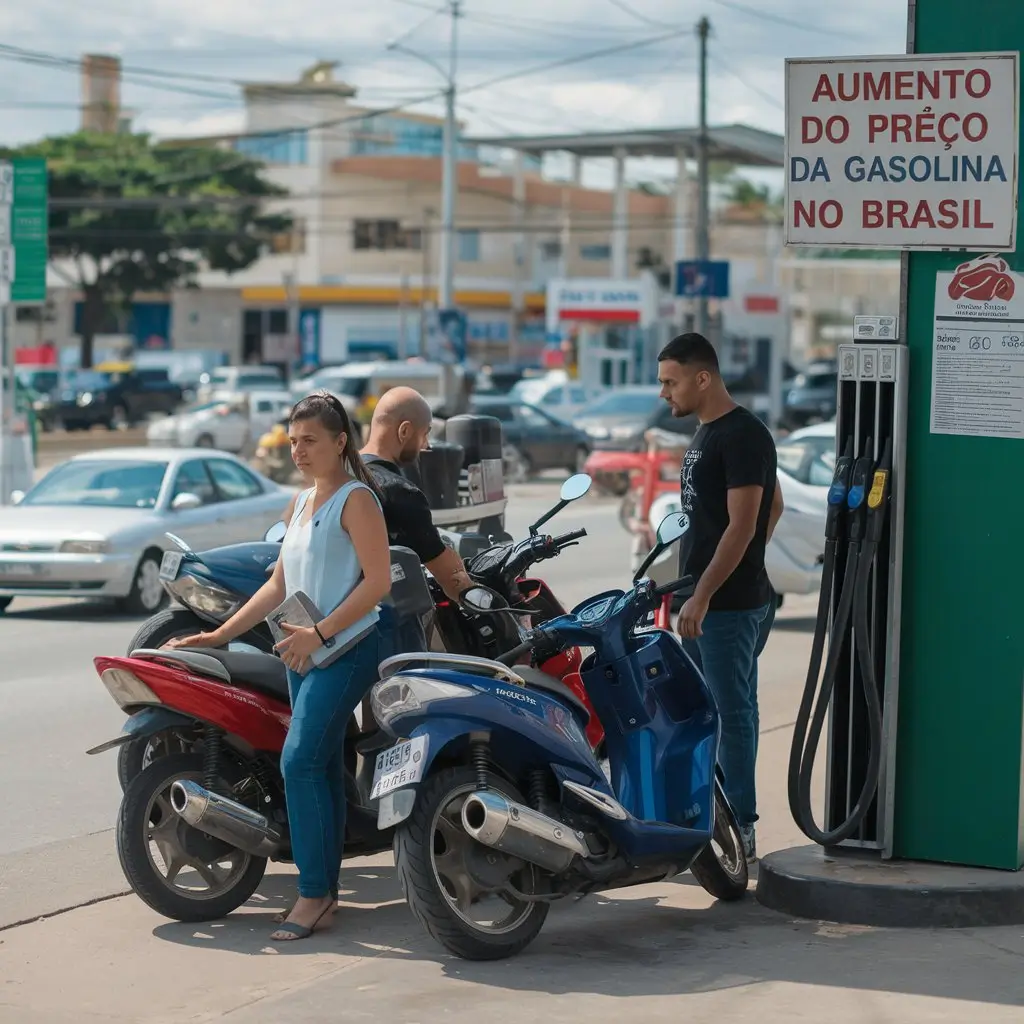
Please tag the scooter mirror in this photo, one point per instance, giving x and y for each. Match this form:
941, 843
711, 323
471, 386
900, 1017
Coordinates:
672, 527
572, 490
275, 535
575, 487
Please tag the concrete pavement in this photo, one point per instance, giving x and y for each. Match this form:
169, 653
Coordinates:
666, 948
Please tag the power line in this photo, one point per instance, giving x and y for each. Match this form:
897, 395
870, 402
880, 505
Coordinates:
779, 19
766, 96
576, 59
633, 13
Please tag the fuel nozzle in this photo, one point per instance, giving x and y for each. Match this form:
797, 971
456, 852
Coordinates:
856, 499
878, 496
838, 491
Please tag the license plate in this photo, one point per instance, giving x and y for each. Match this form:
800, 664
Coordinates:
170, 565
400, 766
22, 569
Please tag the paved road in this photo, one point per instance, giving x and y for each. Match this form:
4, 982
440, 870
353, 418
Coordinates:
54, 707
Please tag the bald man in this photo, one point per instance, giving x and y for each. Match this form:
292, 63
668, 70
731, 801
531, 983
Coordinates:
399, 431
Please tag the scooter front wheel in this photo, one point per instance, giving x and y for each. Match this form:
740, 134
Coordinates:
179, 871
721, 867
453, 884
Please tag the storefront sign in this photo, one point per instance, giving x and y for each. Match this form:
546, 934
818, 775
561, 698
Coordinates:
597, 300
914, 152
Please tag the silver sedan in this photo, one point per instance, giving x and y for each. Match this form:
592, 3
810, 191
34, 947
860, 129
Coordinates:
94, 526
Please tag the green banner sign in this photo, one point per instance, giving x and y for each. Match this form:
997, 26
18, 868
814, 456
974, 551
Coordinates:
29, 222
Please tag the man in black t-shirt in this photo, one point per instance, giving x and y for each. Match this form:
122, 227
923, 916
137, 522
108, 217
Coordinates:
399, 431
731, 497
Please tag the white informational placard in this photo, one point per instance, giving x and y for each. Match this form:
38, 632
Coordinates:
904, 152
978, 351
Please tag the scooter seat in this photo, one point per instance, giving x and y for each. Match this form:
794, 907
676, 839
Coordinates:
263, 673
537, 680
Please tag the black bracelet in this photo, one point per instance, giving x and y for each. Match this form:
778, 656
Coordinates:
316, 629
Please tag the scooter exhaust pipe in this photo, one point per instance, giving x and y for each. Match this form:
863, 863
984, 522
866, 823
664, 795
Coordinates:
225, 819
520, 831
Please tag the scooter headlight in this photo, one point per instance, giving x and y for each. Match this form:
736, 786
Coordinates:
204, 597
401, 695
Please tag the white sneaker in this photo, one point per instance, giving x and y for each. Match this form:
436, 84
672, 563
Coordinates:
749, 843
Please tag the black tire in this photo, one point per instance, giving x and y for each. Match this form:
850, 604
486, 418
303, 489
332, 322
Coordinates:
725, 881
141, 598
582, 454
204, 441
5, 603
428, 902
132, 836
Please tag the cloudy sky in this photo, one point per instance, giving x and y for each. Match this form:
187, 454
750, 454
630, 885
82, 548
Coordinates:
211, 44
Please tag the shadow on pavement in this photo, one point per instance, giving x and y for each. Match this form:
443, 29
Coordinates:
612, 947
70, 611
797, 624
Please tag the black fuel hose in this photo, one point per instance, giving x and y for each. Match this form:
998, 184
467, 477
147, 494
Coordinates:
807, 730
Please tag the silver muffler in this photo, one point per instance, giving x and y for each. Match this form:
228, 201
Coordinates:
520, 831
225, 819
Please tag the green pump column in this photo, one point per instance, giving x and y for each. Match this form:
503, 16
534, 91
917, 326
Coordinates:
960, 757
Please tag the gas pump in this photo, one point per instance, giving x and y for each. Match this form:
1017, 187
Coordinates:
855, 697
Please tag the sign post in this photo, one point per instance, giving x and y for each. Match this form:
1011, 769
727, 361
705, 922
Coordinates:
24, 224
906, 152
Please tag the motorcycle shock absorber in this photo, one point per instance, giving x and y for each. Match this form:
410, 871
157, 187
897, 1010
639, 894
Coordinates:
538, 789
481, 757
211, 758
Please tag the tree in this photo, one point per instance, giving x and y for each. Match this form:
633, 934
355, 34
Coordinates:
128, 215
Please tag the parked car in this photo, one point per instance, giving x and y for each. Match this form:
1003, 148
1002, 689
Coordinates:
534, 440
806, 462
95, 526
556, 394
113, 396
231, 425
812, 396
225, 381
619, 419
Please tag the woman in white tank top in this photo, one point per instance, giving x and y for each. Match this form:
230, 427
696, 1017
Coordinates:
336, 553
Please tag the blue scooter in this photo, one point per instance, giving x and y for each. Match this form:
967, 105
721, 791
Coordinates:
501, 808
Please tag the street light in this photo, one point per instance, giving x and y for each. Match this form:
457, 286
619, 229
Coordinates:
449, 165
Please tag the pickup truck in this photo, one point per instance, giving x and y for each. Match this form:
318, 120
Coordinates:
111, 398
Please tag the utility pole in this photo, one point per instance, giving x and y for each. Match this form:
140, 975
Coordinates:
703, 216
450, 169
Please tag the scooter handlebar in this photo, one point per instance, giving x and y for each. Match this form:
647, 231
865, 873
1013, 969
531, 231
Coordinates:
568, 538
511, 657
683, 583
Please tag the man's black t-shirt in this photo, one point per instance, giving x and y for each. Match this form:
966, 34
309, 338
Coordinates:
406, 510
736, 450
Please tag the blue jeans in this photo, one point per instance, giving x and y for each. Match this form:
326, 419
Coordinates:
727, 653
313, 766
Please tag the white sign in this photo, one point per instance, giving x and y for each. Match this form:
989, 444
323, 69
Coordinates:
601, 300
914, 152
978, 351
6, 183
876, 327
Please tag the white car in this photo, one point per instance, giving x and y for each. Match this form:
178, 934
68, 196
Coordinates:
794, 555
807, 459
554, 394
225, 381
96, 526
230, 425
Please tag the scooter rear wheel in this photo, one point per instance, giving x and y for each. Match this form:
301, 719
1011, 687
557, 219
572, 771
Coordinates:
442, 871
723, 872
146, 821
